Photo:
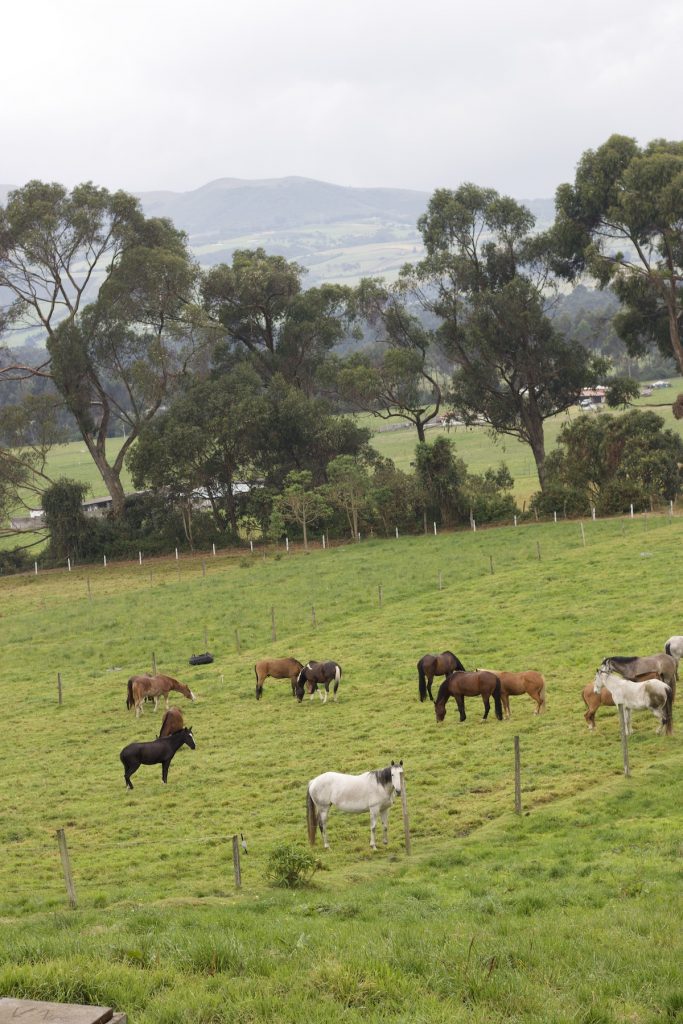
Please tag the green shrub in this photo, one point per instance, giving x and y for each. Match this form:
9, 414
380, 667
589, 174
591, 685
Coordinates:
290, 866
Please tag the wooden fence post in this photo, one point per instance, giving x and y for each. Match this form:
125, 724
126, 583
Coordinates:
538, 550
237, 640
491, 563
518, 779
273, 635
379, 594
66, 867
203, 567
440, 583
583, 534
154, 664
87, 580
59, 687
404, 807
206, 639
236, 862
624, 739
313, 619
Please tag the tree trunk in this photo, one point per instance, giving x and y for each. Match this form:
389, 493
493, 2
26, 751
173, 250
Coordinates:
419, 426
305, 532
111, 478
537, 444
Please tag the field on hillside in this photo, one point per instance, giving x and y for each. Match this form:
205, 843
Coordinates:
565, 914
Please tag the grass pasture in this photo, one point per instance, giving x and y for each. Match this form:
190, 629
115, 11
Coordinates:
565, 914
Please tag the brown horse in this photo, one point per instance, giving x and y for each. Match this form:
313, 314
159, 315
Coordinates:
318, 673
431, 665
604, 699
512, 684
142, 687
277, 668
173, 722
469, 684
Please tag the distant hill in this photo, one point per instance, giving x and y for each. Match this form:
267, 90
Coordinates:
337, 232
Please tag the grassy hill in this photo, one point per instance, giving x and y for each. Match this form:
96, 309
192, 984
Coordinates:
567, 913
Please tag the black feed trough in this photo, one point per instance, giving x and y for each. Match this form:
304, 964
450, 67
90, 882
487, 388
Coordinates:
201, 659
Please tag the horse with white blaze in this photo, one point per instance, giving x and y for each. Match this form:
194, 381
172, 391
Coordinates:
373, 791
651, 695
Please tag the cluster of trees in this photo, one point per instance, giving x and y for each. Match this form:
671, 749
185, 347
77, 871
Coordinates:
228, 384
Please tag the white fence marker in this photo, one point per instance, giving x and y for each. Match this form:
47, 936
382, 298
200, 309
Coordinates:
140, 557
435, 529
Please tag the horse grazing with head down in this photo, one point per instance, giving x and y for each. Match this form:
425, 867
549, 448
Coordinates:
469, 684
512, 684
372, 791
431, 665
140, 688
278, 668
172, 722
651, 695
318, 673
160, 751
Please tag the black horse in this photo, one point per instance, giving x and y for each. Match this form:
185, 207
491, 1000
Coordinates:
318, 673
160, 751
431, 665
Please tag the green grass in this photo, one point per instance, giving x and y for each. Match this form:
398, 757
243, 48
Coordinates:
565, 914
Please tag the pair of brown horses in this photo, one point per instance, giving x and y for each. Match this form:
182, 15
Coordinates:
511, 683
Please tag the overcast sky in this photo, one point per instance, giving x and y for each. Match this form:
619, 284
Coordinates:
166, 94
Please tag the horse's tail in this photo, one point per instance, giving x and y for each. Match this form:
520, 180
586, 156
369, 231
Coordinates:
667, 648
311, 817
497, 703
337, 672
130, 700
422, 680
669, 711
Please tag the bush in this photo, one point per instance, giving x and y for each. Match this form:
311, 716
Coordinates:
290, 866
561, 498
14, 560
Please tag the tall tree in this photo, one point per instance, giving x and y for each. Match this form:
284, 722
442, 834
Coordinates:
300, 503
115, 357
621, 221
486, 277
259, 302
397, 378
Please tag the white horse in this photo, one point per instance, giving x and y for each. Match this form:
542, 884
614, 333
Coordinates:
372, 791
674, 647
651, 695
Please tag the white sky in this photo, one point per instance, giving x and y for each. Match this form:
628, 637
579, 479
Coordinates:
174, 93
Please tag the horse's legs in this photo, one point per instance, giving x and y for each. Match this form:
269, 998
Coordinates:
373, 825
138, 707
430, 679
156, 704
128, 771
164, 770
460, 701
322, 822
384, 815
505, 701
336, 687
166, 698
487, 705
323, 696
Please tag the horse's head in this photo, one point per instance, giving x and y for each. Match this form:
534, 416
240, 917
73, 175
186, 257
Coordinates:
600, 677
440, 710
189, 738
397, 776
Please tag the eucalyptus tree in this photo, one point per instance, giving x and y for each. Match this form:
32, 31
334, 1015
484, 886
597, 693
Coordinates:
621, 221
112, 293
487, 278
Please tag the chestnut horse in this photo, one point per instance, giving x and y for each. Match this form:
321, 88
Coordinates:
277, 668
173, 722
468, 684
142, 687
431, 665
512, 684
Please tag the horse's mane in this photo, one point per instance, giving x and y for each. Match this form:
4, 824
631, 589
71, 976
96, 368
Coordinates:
383, 775
622, 661
443, 691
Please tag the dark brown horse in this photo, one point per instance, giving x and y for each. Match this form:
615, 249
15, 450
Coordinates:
318, 673
431, 665
469, 684
173, 722
278, 668
142, 687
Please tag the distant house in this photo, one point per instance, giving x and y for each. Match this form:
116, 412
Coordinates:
592, 398
94, 507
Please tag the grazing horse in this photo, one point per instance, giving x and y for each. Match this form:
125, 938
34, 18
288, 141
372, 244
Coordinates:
431, 665
468, 684
318, 673
278, 668
636, 670
159, 751
651, 695
173, 722
372, 791
141, 688
512, 684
